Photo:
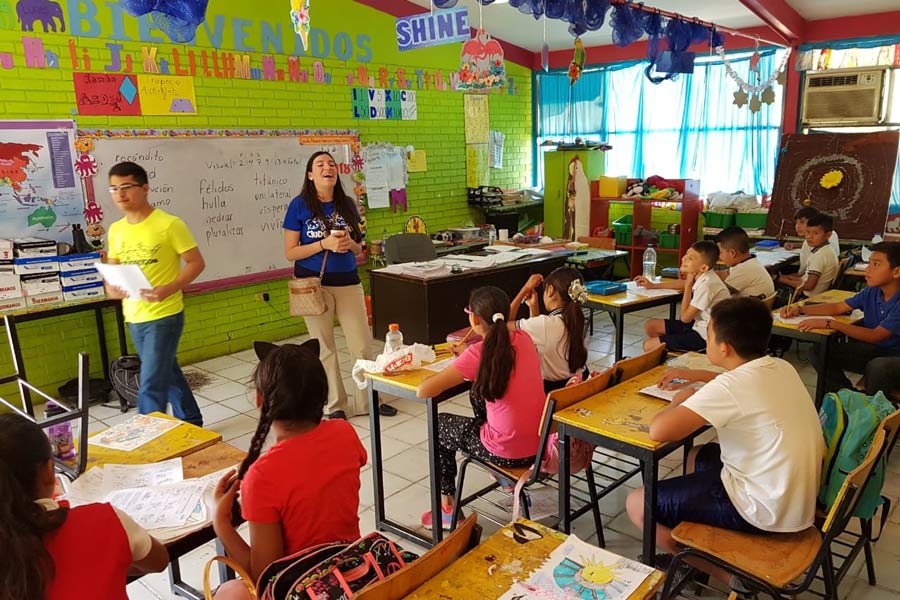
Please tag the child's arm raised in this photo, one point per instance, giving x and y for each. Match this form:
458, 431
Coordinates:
527, 290
675, 422
437, 383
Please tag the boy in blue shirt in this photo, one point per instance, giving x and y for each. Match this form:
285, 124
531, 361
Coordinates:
879, 334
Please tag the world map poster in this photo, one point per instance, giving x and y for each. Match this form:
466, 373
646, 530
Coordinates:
40, 191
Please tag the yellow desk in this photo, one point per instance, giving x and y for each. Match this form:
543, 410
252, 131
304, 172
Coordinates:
403, 385
822, 337
180, 441
619, 305
618, 419
468, 577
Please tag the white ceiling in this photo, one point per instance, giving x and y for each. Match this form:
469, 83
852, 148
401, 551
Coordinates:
507, 23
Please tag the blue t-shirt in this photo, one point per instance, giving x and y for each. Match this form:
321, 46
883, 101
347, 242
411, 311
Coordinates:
341, 267
878, 313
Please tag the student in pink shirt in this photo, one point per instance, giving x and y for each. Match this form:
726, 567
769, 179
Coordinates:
507, 396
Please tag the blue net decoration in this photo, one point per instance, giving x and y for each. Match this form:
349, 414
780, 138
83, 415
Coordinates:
595, 14
556, 9
445, 3
178, 19
627, 24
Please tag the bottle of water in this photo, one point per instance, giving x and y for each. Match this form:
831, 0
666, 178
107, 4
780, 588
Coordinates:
650, 263
877, 239
393, 341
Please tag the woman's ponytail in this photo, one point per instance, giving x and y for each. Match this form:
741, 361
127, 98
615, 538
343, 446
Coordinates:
498, 358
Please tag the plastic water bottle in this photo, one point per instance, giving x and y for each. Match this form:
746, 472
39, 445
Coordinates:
650, 263
877, 239
393, 341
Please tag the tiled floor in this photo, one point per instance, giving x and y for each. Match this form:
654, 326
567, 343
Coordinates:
227, 405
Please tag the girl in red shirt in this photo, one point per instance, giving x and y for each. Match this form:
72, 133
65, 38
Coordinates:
305, 489
54, 552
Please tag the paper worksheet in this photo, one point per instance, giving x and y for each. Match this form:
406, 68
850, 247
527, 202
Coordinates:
161, 506
133, 433
120, 477
668, 395
129, 278
88, 488
634, 288
856, 315
439, 365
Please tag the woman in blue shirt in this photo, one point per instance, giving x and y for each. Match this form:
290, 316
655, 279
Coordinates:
324, 220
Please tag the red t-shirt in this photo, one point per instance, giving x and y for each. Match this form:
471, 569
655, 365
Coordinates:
513, 421
310, 484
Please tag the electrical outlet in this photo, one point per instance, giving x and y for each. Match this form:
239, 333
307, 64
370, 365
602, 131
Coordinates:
265, 296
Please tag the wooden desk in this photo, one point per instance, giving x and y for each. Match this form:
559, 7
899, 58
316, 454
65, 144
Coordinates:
618, 419
822, 337
468, 577
619, 305
180, 441
594, 257
428, 309
403, 385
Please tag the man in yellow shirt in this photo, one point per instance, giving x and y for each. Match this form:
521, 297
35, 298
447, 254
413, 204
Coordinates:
158, 242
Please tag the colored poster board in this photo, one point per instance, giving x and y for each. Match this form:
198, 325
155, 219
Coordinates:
477, 173
167, 95
477, 117
380, 104
110, 94
433, 28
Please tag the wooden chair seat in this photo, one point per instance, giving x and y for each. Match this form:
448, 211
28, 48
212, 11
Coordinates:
778, 558
511, 473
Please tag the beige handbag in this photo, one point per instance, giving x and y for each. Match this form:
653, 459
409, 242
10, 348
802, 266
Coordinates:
306, 296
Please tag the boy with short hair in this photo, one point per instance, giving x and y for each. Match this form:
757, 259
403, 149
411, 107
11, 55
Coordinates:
822, 265
879, 335
745, 276
763, 475
801, 218
702, 290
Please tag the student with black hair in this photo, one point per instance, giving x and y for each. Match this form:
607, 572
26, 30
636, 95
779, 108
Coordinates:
559, 335
305, 489
54, 552
801, 218
763, 474
879, 334
745, 274
507, 397
702, 290
821, 267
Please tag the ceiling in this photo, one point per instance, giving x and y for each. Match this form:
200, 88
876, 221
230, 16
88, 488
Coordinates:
508, 24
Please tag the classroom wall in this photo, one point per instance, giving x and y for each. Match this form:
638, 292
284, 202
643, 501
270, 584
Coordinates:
346, 35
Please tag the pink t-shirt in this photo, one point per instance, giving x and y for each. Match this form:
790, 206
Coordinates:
513, 421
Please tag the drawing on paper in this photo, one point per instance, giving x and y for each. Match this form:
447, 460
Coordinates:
133, 433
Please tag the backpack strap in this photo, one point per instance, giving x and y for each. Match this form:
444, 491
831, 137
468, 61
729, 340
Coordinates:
885, 511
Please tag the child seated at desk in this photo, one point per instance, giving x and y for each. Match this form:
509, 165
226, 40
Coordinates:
821, 265
745, 274
53, 551
558, 336
702, 291
763, 475
507, 397
305, 490
879, 335
801, 218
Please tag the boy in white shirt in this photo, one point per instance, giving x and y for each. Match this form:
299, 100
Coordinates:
822, 265
801, 218
702, 290
763, 475
745, 276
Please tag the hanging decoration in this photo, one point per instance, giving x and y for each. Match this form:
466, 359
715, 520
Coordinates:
482, 65
762, 91
300, 19
577, 65
545, 50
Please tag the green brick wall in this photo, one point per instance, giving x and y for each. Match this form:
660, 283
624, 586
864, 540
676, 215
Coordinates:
228, 321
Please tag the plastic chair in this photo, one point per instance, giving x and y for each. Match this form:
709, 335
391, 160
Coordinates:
779, 564
403, 582
631, 367
556, 400
843, 265
409, 247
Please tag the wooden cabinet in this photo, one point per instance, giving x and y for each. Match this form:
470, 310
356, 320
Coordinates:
568, 177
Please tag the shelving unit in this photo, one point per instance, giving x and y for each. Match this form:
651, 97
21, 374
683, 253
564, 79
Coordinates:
642, 210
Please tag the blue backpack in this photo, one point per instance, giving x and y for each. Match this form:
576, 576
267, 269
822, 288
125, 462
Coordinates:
849, 422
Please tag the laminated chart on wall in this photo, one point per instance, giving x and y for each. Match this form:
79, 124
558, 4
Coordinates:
385, 171
477, 165
116, 94
477, 119
40, 192
379, 104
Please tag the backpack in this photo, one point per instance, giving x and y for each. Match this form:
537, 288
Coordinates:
98, 392
125, 378
849, 422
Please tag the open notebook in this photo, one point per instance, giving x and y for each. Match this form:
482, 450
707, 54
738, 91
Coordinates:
668, 395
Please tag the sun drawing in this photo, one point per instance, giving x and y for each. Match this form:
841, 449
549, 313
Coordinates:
591, 581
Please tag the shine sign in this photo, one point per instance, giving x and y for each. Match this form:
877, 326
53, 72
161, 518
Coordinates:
433, 29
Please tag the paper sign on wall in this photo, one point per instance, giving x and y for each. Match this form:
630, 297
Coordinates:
477, 118
107, 94
376, 104
477, 165
417, 162
497, 139
432, 29
167, 95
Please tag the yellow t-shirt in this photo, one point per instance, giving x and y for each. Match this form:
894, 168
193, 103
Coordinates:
156, 245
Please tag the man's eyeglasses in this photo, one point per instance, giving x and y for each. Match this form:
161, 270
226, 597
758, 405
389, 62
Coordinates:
113, 189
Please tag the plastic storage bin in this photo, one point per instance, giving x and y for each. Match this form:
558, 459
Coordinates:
622, 228
719, 220
751, 220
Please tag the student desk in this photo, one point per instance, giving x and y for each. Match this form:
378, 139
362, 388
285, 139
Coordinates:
593, 258
468, 576
619, 305
618, 419
822, 337
403, 385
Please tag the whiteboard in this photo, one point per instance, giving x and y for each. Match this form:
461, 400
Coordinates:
232, 192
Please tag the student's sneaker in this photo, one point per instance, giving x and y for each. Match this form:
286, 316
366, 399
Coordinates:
507, 485
446, 518
386, 410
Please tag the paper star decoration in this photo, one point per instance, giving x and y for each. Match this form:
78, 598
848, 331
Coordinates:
755, 104
768, 96
740, 98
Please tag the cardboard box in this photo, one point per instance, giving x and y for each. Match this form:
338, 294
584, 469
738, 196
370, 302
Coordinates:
612, 187
72, 278
78, 262
42, 299
32, 247
28, 266
12, 304
10, 287
90, 291
40, 283
6, 249
7, 267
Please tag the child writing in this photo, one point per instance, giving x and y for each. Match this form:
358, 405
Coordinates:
879, 334
53, 551
703, 289
559, 335
821, 266
507, 397
745, 275
305, 489
763, 475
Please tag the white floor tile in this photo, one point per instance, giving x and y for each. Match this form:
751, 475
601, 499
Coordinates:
244, 403
392, 485
248, 355
214, 365
234, 427
411, 464
412, 430
215, 413
227, 390
241, 373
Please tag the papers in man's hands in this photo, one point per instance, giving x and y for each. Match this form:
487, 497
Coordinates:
129, 278
669, 395
634, 288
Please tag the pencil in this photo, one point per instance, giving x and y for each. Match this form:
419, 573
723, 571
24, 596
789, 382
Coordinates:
465, 337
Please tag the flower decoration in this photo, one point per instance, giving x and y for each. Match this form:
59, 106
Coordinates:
84, 145
300, 19
831, 179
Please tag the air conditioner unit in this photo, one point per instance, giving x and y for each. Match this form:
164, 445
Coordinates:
843, 97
